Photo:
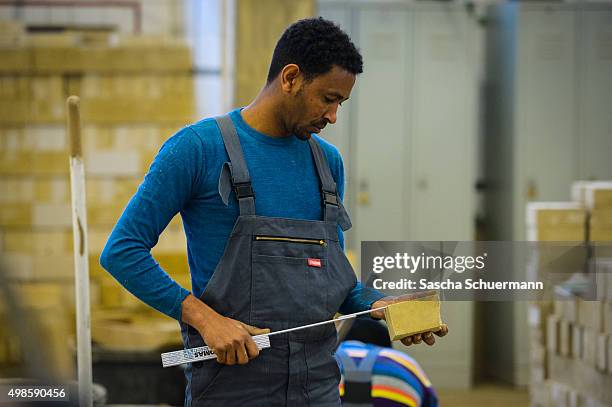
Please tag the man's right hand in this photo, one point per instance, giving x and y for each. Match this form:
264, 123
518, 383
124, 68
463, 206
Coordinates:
230, 339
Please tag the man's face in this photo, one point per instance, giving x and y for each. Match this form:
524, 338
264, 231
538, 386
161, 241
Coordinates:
316, 102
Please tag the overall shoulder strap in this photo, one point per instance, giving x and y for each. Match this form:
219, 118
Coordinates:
333, 209
358, 378
362, 370
236, 169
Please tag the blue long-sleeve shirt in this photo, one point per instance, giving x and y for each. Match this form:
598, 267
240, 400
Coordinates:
184, 179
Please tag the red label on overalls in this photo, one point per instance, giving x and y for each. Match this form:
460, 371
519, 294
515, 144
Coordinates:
314, 262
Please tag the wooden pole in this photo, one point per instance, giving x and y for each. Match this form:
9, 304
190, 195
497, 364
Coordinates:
81, 261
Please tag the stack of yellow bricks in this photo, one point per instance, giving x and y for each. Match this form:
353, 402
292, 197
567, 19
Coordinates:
571, 338
135, 93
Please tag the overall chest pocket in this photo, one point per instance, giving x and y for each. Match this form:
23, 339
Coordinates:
289, 246
289, 280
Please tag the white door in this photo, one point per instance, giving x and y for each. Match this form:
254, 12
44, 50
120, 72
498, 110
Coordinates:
442, 163
545, 126
381, 133
595, 103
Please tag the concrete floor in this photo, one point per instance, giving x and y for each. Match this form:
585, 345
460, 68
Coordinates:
485, 395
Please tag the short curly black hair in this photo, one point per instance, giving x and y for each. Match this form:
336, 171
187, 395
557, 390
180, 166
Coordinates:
315, 45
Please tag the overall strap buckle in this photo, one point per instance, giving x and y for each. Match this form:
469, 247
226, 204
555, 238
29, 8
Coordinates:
330, 198
243, 190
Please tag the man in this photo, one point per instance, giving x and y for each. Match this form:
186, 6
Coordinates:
261, 203
373, 374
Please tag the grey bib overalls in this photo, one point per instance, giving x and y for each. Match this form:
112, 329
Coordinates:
275, 273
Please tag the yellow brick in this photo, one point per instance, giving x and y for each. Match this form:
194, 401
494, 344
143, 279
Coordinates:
52, 214
33, 268
73, 86
46, 111
50, 163
93, 86
110, 111
415, 316
561, 234
137, 137
131, 110
171, 241
131, 58
18, 266
51, 60
12, 88
600, 235
97, 138
146, 160
15, 112
113, 163
129, 301
602, 198
97, 239
44, 191
111, 190
173, 58
45, 138
40, 295
16, 190
175, 110
15, 163
53, 41
38, 243
173, 263
11, 138
556, 221
23, 214
166, 131
110, 294
103, 215
55, 190
15, 215
95, 269
600, 224
113, 295
16, 60
93, 58
184, 280
55, 267
561, 217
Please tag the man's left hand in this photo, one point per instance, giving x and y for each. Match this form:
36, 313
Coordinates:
427, 337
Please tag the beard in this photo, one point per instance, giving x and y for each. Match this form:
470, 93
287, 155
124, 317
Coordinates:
303, 135
301, 130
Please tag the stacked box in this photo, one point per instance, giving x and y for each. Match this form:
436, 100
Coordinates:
596, 196
600, 225
556, 221
135, 93
571, 360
